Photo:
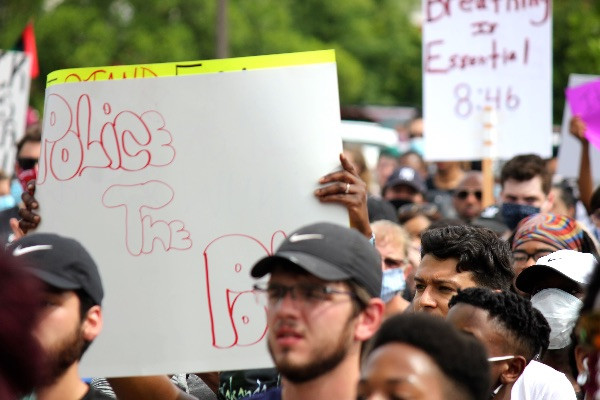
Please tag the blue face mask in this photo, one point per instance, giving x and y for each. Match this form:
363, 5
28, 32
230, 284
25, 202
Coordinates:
513, 213
6, 202
393, 283
16, 190
417, 145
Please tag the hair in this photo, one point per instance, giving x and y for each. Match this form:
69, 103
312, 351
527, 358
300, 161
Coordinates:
477, 250
21, 363
32, 135
595, 200
359, 161
462, 359
568, 191
391, 232
528, 330
525, 167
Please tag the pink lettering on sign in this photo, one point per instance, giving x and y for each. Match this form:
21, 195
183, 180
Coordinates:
237, 317
437, 10
142, 231
127, 140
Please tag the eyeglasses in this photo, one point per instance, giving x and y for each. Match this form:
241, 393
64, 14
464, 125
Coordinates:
392, 263
587, 330
305, 293
463, 194
522, 256
27, 162
500, 358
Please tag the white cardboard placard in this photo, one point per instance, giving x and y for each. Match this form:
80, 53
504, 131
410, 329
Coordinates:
478, 54
177, 185
14, 98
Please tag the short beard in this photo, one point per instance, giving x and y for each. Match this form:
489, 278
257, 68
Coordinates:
58, 359
325, 362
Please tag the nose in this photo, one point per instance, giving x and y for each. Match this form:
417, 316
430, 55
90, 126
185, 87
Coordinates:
426, 300
376, 396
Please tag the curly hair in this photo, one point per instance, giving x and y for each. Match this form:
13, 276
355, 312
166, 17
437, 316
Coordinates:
461, 358
527, 327
478, 250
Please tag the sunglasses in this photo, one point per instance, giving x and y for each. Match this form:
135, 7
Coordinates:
26, 162
463, 194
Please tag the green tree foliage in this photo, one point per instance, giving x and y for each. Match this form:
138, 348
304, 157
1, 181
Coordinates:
378, 49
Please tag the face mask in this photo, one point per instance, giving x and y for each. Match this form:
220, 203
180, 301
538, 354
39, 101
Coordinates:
560, 310
392, 283
16, 190
514, 213
593, 379
7, 201
397, 203
417, 145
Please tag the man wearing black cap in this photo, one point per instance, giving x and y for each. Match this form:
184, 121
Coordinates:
322, 301
404, 186
71, 318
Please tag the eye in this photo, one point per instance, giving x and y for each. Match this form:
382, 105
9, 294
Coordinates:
446, 289
313, 292
420, 287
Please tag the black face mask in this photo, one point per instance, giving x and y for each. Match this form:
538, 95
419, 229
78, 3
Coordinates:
514, 213
397, 203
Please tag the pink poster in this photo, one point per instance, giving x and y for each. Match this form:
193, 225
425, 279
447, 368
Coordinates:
584, 101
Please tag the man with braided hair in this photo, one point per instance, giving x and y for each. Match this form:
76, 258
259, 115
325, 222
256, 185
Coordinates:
515, 335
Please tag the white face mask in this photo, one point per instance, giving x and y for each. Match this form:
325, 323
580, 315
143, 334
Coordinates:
560, 310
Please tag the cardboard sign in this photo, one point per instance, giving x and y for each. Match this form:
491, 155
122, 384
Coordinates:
14, 98
569, 152
177, 184
479, 54
585, 102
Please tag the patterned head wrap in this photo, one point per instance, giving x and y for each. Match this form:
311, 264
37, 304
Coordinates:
558, 231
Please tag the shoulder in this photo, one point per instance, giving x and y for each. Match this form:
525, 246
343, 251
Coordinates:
541, 382
271, 394
95, 394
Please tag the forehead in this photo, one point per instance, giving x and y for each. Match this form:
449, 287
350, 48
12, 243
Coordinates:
532, 187
471, 182
432, 269
390, 248
30, 150
473, 320
408, 366
290, 274
532, 246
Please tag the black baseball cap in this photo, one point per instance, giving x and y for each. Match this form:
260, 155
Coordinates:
60, 262
329, 252
406, 176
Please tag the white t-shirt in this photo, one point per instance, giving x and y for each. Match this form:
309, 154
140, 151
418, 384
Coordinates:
541, 382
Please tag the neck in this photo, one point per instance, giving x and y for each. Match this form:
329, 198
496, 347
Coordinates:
339, 383
68, 386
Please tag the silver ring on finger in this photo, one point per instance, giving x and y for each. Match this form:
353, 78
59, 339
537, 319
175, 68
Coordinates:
347, 188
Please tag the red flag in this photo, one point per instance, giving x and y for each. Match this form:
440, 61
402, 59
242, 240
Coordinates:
27, 44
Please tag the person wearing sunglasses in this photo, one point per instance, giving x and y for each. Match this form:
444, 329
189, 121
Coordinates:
467, 197
515, 336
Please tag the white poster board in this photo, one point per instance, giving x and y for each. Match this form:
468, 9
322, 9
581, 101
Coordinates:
569, 152
177, 185
478, 54
14, 98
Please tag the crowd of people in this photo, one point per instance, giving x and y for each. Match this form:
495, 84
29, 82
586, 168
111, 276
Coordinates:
428, 295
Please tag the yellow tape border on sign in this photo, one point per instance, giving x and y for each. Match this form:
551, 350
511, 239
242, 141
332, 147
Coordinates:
120, 72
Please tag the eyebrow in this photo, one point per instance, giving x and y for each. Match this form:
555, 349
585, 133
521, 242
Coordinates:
438, 281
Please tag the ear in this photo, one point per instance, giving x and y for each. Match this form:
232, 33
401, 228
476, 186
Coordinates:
369, 320
514, 369
549, 203
92, 323
580, 355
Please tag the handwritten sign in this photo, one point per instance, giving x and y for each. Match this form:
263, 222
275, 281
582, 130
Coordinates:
14, 98
585, 102
177, 185
570, 149
486, 53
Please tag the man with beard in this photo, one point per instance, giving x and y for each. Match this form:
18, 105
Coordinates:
71, 317
322, 304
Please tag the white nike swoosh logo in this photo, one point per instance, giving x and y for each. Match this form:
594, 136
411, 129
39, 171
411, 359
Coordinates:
19, 251
308, 236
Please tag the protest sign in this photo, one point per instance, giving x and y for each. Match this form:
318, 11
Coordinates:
585, 102
177, 184
569, 152
14, 98
486, 53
